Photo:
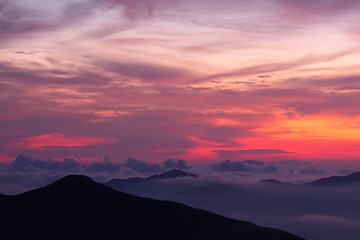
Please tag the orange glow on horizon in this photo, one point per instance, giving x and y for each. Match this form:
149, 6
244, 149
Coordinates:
326, 127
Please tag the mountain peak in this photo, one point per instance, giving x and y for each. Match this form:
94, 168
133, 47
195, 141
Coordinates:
74, 181
274, 182
90, 210
119, 184
74, 185
354, 175
81, 179
177, 172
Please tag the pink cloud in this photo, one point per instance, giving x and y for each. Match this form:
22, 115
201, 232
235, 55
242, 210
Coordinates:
251, 151
58, 140
275, 67
164, 78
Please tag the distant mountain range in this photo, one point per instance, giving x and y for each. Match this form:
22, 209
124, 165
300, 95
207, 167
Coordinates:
349, 180
76, 207
138, 185
175, 173
274, 182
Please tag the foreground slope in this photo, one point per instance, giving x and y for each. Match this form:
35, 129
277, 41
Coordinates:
76, 207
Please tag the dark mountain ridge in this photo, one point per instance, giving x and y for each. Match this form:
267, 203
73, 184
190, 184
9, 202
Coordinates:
352, 180
76, 207
175, 173
349, 180
274, 182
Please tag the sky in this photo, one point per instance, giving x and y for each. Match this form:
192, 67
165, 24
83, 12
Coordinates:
204, 81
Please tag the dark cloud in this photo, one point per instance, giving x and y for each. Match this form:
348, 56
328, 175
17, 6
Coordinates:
271, 168
68, 165
22, 75
230, 153
158, 74
15, 19
138, 10
341, 102
242, 82
173, 163
28, 164
228, 165
19, 20
142, 166
290, 163
106, 158
77, 11
106, 166
27, 172
252, 166
254, 162
311, 170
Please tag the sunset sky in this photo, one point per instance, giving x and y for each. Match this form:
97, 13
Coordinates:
202, 80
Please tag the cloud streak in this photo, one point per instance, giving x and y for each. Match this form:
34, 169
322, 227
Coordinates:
154, 79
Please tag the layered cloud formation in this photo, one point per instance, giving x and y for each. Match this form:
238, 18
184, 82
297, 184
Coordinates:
202, 81
24, 172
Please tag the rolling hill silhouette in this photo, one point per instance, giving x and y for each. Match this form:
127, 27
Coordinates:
350, 180
274, 182
76, 207
123, 183
175, 173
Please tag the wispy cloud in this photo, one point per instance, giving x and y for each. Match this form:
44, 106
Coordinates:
179, 79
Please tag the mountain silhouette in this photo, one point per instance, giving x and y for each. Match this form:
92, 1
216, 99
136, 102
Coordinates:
350, 180
175, 173
273, 182
76, 207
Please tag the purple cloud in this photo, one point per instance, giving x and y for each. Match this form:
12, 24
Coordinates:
244, 166
149, 73
34, 77
311, 170
172, 163
142, 166
274, 67
250, 152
